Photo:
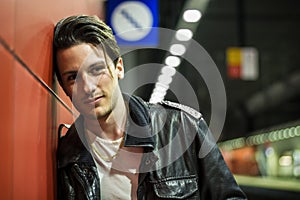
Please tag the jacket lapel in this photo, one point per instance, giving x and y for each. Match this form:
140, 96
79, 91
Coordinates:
73, 146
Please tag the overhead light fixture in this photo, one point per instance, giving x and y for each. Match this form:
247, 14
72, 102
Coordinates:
165, 79
160, 89
158, 84
159, 93
155, 98
184, 34
168, 70
192, 15
177, 49
180, 44
172, 61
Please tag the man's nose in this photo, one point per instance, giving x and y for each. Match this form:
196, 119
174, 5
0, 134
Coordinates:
89, 83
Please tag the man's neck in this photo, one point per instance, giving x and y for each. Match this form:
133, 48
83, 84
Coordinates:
110, 127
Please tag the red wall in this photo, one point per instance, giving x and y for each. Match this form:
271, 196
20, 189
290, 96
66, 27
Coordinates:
29, 112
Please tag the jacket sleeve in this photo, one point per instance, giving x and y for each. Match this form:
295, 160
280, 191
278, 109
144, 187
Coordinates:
64, 186
217, 181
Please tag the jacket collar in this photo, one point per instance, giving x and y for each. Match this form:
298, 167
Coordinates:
73, 148
138, 127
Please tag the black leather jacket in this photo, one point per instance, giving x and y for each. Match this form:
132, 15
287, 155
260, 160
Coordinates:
165, 174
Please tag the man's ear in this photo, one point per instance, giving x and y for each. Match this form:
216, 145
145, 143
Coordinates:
120, 68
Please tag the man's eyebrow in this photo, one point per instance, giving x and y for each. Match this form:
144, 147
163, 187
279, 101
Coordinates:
100, 62
69, 72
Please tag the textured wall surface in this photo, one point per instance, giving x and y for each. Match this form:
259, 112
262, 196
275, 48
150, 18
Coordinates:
30, 113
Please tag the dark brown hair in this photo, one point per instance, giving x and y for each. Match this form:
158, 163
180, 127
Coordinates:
80, 29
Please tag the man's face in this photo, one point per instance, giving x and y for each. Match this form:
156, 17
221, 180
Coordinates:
90, 80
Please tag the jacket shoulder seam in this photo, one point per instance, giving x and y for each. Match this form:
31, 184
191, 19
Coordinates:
182, 107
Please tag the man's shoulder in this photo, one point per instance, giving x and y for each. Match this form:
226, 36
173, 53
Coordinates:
69, 139
171, 105
181, 107
71, 148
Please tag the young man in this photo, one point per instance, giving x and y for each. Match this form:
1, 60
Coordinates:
121, 147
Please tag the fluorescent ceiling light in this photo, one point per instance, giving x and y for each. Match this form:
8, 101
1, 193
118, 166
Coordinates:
158, 95
192, 15
177, 49
158, 84
155, 99
184, 34
172, 61
160, 89
168, 70
165, 79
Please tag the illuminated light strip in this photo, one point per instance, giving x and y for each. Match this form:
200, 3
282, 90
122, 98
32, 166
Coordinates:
173, 61
191, 14
168, 70
177, 49
272, 136
184, 35
162, 85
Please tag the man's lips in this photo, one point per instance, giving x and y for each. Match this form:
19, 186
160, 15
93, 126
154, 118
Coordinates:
92, 101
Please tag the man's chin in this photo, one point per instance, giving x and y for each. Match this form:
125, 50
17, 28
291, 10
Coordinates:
89, 113
90, 116
94, 115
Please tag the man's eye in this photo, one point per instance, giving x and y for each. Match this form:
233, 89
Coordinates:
71, 77
96, 70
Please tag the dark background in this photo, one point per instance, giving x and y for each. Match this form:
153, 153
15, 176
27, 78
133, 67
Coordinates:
273, 28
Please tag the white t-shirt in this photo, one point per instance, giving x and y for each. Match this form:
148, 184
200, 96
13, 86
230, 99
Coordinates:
117, 168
